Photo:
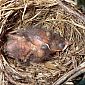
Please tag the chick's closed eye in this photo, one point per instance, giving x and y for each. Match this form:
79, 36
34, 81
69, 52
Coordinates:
61, 45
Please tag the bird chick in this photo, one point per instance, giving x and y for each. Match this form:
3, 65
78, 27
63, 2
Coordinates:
40, 38
24, 50
34, 45
58, 43
47, 39
37, 36
17, 47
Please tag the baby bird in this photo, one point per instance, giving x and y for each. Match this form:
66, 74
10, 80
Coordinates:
17, 47
46, 39
34, 44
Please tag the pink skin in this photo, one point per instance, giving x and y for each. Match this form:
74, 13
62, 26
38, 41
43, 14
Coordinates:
17, 47
20, 47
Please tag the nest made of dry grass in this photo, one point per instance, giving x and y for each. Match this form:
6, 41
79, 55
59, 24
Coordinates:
59, 16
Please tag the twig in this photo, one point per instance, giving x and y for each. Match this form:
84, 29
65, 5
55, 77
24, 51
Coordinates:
74, 62
77, 74
10, 79
71, 74
71, 1
34, 17
24, 11
74, 13
5, 19
10, 71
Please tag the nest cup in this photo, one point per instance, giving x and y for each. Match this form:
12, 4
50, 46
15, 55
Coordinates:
57, 16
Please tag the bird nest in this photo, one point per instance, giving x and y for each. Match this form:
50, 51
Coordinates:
55, 15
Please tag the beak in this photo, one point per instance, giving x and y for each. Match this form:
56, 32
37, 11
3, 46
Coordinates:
66, 45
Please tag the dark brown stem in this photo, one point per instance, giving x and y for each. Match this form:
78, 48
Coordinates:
70, 75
